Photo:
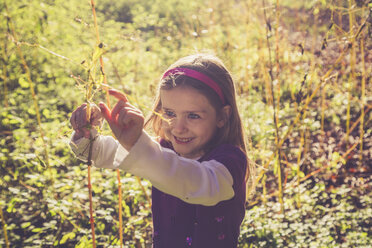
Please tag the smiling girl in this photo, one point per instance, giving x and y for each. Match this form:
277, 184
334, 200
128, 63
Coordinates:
198, 165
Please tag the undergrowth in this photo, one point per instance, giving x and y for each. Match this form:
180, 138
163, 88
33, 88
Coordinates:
303, 76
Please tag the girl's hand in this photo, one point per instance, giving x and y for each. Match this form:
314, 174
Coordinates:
125, 121
81, 125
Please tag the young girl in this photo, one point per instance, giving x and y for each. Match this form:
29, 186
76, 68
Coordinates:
198, 165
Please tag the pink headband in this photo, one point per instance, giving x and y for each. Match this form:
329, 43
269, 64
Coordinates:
199, 76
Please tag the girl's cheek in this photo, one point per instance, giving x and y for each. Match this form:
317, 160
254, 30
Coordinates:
165, 127
166, 123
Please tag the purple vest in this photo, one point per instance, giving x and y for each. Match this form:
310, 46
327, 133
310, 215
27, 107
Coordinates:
178, 224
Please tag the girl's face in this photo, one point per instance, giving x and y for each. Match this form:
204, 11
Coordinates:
191, 121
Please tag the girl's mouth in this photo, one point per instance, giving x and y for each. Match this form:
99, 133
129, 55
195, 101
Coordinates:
182, 140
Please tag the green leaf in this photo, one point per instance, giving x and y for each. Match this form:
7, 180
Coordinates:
25, 225
23, 82
46, 113
66, 237
31, 111
37, 230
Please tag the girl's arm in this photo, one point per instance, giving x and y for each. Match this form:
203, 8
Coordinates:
106, 150
206, 183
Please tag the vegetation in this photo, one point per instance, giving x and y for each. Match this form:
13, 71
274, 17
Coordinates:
303, 76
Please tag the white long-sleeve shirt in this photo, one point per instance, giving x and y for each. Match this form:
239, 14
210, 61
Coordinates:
205, 183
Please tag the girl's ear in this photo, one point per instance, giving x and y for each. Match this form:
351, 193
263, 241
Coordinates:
224, 116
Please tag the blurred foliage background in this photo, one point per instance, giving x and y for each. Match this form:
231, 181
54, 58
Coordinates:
303, 76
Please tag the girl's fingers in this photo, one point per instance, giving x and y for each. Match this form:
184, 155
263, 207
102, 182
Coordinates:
73, 121
116, 110
77, 117
96, 120
119, 95
128, 117
81, 117
79, 121
127, 104
123, 118
106, 113
96, 116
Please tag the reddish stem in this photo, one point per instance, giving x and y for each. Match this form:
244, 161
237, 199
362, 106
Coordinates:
91, 219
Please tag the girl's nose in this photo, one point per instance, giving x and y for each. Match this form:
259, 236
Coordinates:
179, 125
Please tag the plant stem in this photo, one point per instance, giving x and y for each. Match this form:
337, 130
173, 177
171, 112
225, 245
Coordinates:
276, 109
275, 102
4, 227
268, 93
108, 104
144, 191
351, 81
363, 97
120, 209
88, 96
100, 58
323, 104
365, 111
5, 76
91, 219
298, 170
32, 90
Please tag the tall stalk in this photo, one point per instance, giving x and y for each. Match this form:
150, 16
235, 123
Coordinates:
5, 76
351, 81
298, 170
32, 89
4, 227
323, 104
88, 98
276, 110
275, 101
91, 219
363, 97
120, 208
312, 69
264, 191
265, 75
108, 103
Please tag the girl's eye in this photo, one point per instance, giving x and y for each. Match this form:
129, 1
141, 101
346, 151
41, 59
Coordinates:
193, 116
169, 114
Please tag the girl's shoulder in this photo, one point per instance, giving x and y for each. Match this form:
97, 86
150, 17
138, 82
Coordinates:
233, 158
226, 151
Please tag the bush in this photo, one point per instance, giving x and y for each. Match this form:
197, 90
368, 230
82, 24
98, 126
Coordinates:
340, 217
